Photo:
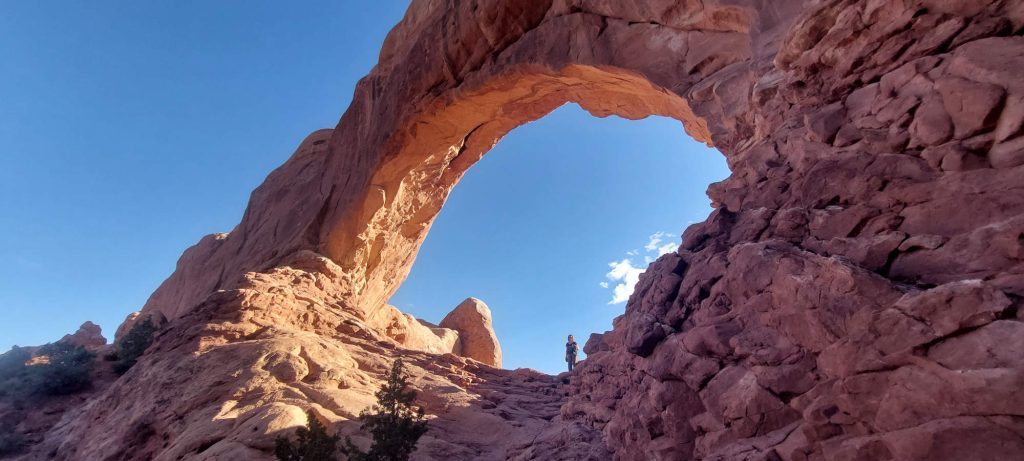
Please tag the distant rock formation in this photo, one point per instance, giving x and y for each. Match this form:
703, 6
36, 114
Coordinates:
472, 319
466, 331
89, 336
856, 295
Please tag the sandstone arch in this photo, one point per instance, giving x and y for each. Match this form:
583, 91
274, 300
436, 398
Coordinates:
379, 242
390, 162
856, 295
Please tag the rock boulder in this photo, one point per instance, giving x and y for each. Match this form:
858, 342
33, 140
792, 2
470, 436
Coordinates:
472, 319
89, 335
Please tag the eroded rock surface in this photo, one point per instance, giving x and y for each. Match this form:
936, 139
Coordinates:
89, 335
855, 296
472, 319
872, 226
246, 366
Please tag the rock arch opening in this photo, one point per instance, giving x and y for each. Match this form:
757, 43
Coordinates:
364, 193
377, 240
534, 226
406, 192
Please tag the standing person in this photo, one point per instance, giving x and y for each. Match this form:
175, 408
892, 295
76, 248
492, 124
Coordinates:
571, 351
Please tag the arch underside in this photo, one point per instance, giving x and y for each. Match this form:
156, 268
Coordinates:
410, 187
854, 296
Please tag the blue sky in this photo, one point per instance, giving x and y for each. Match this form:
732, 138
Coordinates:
128, 130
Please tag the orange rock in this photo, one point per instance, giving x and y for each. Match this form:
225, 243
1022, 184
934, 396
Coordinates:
472, 319
89, 335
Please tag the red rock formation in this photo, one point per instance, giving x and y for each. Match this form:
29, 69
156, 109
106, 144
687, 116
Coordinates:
89, 335
855, 295
223, 381
872, 226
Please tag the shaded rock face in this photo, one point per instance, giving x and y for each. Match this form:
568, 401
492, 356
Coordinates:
871, 231
855, 296
472, 319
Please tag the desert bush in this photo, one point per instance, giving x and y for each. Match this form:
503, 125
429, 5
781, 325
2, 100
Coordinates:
392, 422
13, 361
68, 369
130, 347
12, 373
62, 368
312, 444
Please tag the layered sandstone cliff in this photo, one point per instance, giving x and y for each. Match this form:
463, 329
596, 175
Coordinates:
855, 296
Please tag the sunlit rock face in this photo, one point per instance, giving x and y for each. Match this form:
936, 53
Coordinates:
476, 338
854, 296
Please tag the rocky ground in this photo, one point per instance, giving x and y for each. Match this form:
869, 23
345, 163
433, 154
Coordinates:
245, 368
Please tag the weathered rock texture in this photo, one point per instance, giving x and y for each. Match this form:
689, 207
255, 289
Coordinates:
89, 335
472, 319
855, 296
222, 381
466, 331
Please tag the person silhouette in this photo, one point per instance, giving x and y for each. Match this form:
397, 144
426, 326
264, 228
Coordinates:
571, 351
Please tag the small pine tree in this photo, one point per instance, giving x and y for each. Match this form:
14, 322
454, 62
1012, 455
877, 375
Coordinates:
312, 444
131, 346
394, 425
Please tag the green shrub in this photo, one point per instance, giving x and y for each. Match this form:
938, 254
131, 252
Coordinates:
13, 361
392, 423
12, 373
131, 346
65, 369
313, 443
68, 369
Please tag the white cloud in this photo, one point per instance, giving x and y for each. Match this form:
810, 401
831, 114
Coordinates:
621, 293
667, 248
624, 274
654, 240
